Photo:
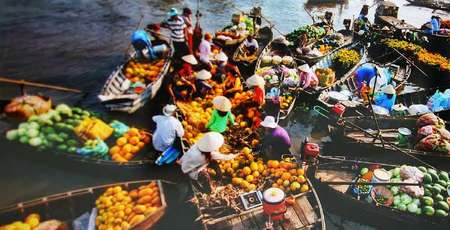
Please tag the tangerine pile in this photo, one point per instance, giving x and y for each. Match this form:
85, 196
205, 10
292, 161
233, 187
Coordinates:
129, 145
120, 209
143, 72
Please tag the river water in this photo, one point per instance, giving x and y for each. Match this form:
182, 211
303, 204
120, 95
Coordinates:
77, 43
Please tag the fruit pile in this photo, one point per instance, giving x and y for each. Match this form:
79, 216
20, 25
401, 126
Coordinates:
346, 58
120, 209
326, 76
241, 97
285, 101
143, 72
324, 49
312, 32
197, 114
32, 221
248, 173
129, 145
429, 200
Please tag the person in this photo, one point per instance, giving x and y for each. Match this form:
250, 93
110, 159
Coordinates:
187, 17
178, 33
201, 84
435, 25
364, 74
168, 128
257, 83
182, 84
195, 161
155, 31
387, 98
232, 84
204, 50
251, 45
307, 77
224, 67
302, 43
141, 42
221, 115
347, 31
276, 139
327, 21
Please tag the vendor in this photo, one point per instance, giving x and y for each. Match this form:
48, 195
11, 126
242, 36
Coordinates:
364, 73
201, 84
141, 43
168, 128
155, 31
232, 84
251, 45
327, 21
204, 50
387, 98
196, 160
221, 115
178, 33
182, 85
435, 25
224, 67
307, 76
302, 42
257, 83
276, 140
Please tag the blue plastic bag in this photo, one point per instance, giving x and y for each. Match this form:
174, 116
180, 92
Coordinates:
168, 156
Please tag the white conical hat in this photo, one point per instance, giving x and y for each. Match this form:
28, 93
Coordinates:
304, 68
210, 142
269, 122
190, 59
203, 75
255, 80
221, 57
169, 109
222, 103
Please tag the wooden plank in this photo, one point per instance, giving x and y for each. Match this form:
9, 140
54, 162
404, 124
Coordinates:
260, 219
294, 219
307, 209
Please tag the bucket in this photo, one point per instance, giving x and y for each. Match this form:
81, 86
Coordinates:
274, 204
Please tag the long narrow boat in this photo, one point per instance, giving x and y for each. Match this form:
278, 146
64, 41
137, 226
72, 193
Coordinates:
337, 198
117, 95
305, 213
434, 4
362, 131
311, 60
68, 206
247, 66
352, 100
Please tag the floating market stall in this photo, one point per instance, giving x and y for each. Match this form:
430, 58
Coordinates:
313, 34
73, 133
132, 84
384, 195
425, 137
128, 205
230, 36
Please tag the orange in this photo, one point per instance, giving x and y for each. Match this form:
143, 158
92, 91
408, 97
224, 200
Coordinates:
256, 174
114, 150
304, 188
127, 148
286, 176
293, 172
243, 124
121, 141
128, 156
300, 172
236, 181
295, 186
246, 170
134, 140
301, 179
141, 144
133, 132
254, 166
250, 178
135, 149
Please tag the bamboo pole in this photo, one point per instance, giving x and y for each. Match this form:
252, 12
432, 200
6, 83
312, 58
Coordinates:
40, 85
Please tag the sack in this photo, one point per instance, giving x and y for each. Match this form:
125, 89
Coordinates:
438, 102
93, 128
414, 191
430, 119
434, 143
409, 172
418, 109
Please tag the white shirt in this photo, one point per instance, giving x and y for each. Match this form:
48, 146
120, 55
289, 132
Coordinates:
193, 161
205, 50
167, 129
253, 43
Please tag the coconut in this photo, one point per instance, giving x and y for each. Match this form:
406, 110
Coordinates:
276, 60
266, 59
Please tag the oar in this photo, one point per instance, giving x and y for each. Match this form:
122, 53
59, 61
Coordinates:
41, 85
410, 62
369, 183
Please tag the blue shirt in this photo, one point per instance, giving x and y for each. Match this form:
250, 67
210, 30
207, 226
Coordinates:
140, 40
364, 73
435, 25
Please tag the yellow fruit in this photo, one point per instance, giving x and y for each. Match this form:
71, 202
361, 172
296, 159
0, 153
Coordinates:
133, 132
134, 140
286, 183
256, 174
246, 170
295, 186
246, 150
127, 148
251, 187
254, 166
121, 141
304, 188
286, 176
300, 172
114, 150
33, 220
236, 181
301, 179
249, 178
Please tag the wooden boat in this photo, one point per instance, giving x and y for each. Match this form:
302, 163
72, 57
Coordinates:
336, 198
247, 67
311, 60
327, 62
306, 213
432, 4
115, 98
68, 206
386, 14
362, 131
354, 104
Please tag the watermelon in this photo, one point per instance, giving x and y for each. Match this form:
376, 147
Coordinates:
427, 179
427, 200
444, 176
423, 169
442, 205
441, 213
428, 210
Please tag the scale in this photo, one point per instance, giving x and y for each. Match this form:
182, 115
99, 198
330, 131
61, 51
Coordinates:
251, 200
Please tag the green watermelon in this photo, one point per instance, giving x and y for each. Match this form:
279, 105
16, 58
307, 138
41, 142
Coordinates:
441, 213
442, 205
427, 200
428, 210
427, 179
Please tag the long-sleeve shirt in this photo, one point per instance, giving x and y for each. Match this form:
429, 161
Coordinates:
167, 129
218, 123
193, 161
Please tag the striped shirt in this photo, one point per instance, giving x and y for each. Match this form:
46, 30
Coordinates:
177, 29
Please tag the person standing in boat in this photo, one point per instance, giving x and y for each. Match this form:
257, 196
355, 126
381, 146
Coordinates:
178, 34
435, 25
168, 128
387, 97
187, 17
141, 43
276, 140
221, 115
204, 50
203, 153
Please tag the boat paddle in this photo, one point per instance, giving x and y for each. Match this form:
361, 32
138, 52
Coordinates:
39, 85
369, 183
